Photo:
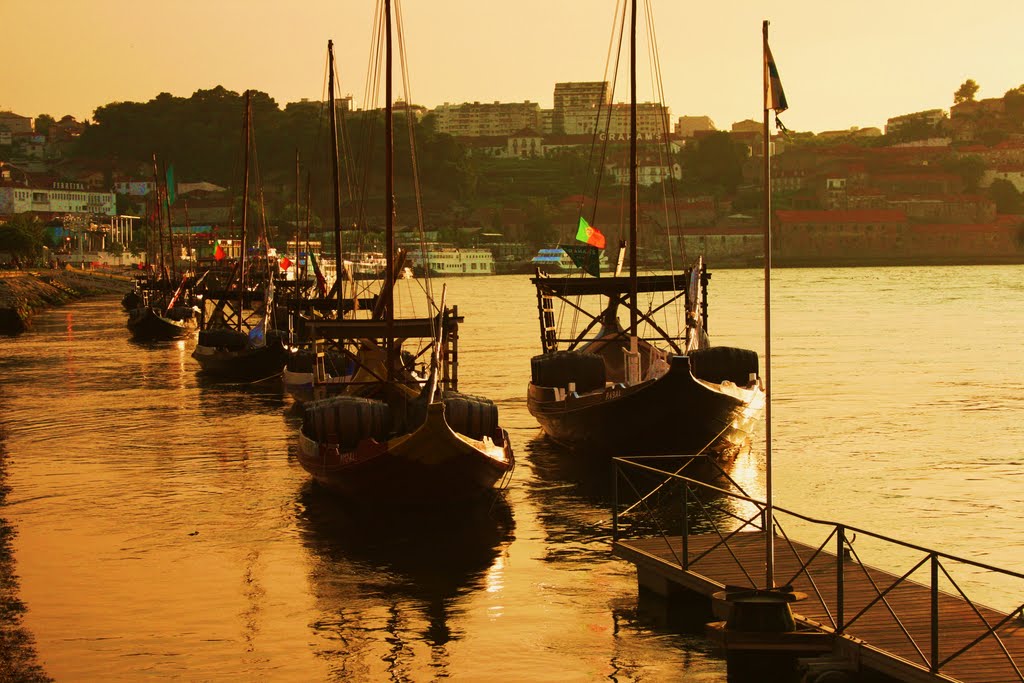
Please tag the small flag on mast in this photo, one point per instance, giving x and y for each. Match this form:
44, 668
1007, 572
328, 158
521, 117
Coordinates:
590, 235
774, 96
218, 253
172, 190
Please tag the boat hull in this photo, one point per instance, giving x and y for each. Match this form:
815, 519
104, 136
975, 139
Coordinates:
241, 365
672, 415
431, 466
145, 324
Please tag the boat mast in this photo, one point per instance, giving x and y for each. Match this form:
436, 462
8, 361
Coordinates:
170, 229
245, 204
298, 229
632, 180
159, 215
389, 198
335, 172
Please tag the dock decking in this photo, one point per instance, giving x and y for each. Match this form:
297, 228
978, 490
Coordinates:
889, 623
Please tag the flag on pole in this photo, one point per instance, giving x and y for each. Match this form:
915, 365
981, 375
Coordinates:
774, 97
285, 263
586, 257
590, 235
218, 253
171, 192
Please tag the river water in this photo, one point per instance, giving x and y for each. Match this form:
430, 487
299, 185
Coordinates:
166, 531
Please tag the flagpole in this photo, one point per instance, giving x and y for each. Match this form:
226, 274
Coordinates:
769, 510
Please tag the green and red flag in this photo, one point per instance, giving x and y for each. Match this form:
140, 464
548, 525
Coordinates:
590, 235
218, 253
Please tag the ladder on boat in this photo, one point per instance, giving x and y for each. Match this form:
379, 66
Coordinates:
548, 329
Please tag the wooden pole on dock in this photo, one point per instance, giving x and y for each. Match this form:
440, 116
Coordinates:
774, 100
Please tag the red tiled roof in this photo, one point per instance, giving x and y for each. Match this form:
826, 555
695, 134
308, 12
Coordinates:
916, 176
847, 216
958, 227
1009, 220
947, 198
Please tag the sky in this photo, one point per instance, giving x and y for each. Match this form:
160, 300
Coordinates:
842, 65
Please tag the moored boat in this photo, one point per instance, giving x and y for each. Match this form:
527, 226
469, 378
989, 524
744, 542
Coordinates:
653, 387
396, 431
238, 340
150, 323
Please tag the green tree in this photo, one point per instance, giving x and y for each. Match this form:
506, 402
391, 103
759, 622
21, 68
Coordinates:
23, 236
43, 123
539, 230
966, 92
970, 169
713, 164
1006, 196
1014, 99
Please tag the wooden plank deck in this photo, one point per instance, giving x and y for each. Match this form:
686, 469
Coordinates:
876, 638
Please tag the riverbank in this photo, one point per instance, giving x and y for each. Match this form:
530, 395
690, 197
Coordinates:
18, 658
23, 293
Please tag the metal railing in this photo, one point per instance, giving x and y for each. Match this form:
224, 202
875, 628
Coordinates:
705, 504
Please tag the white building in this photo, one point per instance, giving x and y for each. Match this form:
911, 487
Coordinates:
63, 197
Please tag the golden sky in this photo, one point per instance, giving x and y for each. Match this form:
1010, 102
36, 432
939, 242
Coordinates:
842, 64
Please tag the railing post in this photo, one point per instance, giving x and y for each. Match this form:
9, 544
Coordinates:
686, 526
840, 588
934, 667
615, 501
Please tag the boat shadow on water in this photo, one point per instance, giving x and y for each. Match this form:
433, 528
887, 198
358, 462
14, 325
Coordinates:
577, 495
217, 395
416, 565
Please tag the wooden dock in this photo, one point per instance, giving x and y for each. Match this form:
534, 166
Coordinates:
901, 626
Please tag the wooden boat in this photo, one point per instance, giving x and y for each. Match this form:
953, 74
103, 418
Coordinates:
390, 436
151, 323
641, 389
238, 340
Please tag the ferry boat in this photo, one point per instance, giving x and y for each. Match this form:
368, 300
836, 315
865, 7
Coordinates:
449, 261
555, 260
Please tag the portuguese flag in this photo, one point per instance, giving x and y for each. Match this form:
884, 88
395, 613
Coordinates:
591, 236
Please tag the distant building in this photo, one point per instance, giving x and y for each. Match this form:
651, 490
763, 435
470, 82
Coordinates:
134, 188
525, 144
1013, 174
686, 126
15, 123
853, 132
488, 119
932, 117
53, 198
651, 169
747, 126
578, 100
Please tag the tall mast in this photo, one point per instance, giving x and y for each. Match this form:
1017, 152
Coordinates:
245, 203
335, 172
159, 213
389, 198
298, 229
632, 176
